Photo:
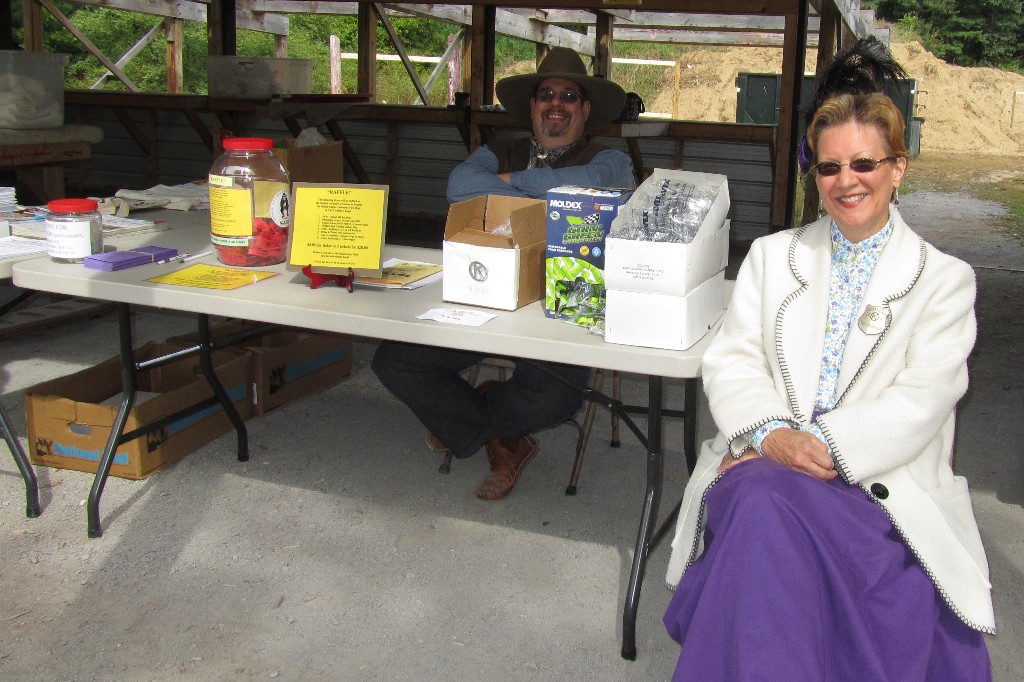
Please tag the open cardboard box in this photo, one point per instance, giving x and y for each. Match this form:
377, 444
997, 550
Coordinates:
319, 163
287, 364
70, 418
669, 268
494, 270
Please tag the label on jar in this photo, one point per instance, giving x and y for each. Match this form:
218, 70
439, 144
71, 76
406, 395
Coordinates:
270, 200
68, 238
230, 212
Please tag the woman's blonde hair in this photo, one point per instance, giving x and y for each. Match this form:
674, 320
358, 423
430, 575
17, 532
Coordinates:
871, 109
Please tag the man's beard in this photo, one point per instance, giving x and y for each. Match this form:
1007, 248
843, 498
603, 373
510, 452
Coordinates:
557, 128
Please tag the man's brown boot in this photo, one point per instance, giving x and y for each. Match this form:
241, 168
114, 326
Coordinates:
508, 458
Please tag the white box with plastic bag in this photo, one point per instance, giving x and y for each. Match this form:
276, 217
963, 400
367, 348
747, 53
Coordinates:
665, 261
661, 266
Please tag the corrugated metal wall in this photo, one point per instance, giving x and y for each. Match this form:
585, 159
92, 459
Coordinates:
422, 157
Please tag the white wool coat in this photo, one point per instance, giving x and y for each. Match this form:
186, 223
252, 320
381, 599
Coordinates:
891, 433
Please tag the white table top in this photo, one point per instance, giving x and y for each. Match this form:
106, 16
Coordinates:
384, 314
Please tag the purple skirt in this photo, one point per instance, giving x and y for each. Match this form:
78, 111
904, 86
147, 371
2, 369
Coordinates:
801, 580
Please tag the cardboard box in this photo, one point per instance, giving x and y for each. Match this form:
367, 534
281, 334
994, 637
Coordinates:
234, 77
660, 321
670, 268
578, 220
494, 270
285, 365
320, 163
69, 419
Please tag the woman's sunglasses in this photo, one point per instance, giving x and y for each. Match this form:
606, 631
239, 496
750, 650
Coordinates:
829, 168
567, 96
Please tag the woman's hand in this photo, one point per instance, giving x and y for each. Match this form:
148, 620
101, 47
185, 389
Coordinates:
800, 451
728, 462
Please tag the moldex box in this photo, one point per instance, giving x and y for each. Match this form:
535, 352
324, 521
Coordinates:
578, 221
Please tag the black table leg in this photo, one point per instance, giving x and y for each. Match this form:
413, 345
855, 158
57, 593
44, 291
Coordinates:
124, 324
655, 474
32, 509
206, 363
128, 388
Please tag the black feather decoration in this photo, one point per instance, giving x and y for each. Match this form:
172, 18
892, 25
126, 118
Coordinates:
866, 67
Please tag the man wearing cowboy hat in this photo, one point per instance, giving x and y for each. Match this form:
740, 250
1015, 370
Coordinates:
561, 103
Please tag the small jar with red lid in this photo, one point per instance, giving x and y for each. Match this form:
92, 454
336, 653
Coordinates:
250, 210
74, 230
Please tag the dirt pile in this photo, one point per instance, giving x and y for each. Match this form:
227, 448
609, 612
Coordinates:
977, 110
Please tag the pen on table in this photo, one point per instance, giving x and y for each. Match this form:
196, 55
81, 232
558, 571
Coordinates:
193, 256
168, 260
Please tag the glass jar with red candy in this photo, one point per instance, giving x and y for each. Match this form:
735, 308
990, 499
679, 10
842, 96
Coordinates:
250, 211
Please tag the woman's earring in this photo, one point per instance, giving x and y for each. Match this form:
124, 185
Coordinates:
896, 196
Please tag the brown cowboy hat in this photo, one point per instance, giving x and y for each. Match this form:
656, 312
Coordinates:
606, 98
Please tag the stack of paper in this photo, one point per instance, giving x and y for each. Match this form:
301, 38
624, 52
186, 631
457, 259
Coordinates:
7, 200
15, 247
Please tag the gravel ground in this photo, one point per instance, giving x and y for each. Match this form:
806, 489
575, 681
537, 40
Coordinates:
337, 552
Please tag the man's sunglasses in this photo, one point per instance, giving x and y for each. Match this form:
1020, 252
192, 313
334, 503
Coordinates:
567, 96
827, 169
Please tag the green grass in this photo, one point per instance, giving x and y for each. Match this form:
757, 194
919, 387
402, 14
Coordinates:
1010, 193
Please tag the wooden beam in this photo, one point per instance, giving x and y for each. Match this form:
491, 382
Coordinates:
135, 49
89, 45
264, 22
399, 46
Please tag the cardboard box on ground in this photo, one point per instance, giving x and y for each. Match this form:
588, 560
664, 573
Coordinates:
578, 220
317, 163
286, 364
485, 267
69, 419
668, 294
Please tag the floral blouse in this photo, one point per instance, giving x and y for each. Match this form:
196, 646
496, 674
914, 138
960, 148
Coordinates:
852, 265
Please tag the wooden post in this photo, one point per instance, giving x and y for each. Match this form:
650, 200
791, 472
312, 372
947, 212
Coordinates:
32, 24
481, 64
6, 25
366, 74
604, 23
826, 49
174, 30
334, 49
675, 89
784, 164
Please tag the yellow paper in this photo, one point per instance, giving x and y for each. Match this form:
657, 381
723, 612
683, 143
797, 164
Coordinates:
402, 273
338, 227
231, 212
212, 277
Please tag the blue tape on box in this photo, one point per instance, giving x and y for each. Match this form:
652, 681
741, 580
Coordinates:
119, 260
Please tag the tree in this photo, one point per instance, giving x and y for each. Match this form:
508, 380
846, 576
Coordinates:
965, 32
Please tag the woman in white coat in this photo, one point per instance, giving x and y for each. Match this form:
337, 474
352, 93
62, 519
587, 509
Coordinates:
823, 533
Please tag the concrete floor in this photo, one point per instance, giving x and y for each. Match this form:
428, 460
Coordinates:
338, 552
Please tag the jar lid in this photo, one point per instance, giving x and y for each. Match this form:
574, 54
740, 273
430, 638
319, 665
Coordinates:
243, 143
72, 205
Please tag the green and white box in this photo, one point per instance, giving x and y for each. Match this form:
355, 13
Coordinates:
578, 222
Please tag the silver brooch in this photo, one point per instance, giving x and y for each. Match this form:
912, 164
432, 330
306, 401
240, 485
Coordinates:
873, 319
